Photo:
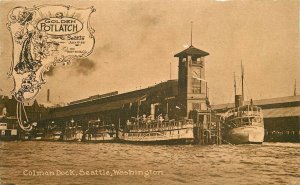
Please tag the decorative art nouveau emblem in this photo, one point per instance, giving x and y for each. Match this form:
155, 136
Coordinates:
42, 37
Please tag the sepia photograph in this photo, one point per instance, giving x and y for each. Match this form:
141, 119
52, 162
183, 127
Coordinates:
149, 92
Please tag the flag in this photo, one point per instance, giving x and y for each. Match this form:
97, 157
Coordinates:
197, 77
200, 79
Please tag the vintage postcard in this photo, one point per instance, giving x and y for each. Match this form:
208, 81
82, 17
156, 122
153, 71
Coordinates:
149, 92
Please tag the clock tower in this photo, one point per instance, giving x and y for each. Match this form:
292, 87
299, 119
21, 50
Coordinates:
192, 86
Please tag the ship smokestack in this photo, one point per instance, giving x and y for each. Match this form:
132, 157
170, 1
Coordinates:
48, 95
238, 100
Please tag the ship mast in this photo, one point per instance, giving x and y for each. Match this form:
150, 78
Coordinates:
242, 70
295, 88
234, 84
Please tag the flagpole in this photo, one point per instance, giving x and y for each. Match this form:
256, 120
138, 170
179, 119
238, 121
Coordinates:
191, 33
234, 84
242, 69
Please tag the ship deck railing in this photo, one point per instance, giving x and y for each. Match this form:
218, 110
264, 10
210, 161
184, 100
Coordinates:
245, 120
160, 125
96, 131
234, 125
245, 111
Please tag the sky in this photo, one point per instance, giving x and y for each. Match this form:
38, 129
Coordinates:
136, 42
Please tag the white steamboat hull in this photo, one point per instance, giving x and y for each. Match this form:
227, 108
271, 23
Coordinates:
73, 137
53, 138
246, 134
56, 137
184, 135
99, 138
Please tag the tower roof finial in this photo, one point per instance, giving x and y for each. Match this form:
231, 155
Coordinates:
191, 33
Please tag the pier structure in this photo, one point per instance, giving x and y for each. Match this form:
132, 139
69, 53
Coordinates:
182, 99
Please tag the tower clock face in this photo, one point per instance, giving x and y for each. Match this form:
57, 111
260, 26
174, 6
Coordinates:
196, 74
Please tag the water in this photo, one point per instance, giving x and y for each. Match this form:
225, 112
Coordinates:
270, 163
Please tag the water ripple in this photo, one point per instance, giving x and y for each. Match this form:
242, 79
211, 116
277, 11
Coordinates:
270, 163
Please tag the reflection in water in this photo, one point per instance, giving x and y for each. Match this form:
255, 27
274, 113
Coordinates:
34, 162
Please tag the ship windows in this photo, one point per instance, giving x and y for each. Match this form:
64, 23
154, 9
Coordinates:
246, 121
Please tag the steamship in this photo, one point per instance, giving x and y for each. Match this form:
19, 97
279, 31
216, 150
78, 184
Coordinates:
53, 133
6, 133
8, 129
72, 132
158, 131
244, 123
99, 132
